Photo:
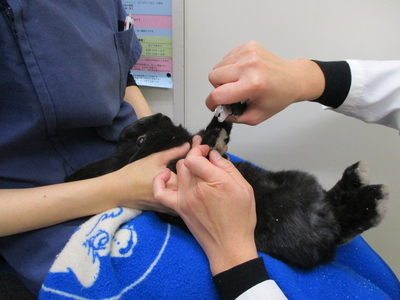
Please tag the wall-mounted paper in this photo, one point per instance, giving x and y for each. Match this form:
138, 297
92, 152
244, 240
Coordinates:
153, 26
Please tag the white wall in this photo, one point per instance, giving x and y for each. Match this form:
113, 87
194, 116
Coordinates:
303, 136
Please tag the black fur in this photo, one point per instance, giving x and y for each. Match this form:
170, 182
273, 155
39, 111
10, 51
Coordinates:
298, 221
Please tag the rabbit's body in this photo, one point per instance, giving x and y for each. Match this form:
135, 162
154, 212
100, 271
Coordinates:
298, 221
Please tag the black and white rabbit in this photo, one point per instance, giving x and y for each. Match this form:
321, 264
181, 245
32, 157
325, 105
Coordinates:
298, 221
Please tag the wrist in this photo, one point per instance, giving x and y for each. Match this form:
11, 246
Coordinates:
122, 189
311, 79
96, 195
222, 260
130, 189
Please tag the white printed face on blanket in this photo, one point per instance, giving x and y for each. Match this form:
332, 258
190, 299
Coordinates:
121, 255
98, 260
99, 237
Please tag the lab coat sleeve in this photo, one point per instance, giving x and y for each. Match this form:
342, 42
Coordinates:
249, 280
374, 94
266, 290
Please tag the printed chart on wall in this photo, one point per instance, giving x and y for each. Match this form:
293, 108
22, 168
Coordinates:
153, 26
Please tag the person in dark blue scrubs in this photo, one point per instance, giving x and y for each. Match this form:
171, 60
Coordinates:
63, 76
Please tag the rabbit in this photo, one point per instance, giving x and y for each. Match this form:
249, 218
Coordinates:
298, 222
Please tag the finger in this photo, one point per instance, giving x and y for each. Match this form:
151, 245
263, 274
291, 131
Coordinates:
223, 75
248, 118
252, 115
182, 173
172, 183
176, 152
196, 141
185, 180
242, 52
160, 181
231, 58
227, 94
197, 148
196, 156
231, 119
201, 150
201, 167
217, 160
161, 193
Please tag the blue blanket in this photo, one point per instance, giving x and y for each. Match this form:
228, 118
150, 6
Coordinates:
129, 254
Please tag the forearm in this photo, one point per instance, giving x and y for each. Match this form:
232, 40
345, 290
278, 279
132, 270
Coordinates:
33, 208
131, 186
134, 97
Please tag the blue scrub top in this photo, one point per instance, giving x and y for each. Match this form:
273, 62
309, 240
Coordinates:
63, 72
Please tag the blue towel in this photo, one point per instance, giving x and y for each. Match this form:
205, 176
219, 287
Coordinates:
129, 254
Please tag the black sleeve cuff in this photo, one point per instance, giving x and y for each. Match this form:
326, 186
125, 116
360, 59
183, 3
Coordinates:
131, 80
337, 82
234, 282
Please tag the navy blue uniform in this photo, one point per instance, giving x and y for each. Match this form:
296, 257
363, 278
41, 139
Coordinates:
63, 74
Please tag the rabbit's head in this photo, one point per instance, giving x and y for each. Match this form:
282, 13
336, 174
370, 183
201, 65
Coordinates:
149, 135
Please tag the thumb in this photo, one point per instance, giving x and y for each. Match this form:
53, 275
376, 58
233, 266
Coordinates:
161, 193
217, 160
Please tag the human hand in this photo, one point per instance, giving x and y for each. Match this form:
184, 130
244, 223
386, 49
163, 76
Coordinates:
269, 83
134, 181
216, 203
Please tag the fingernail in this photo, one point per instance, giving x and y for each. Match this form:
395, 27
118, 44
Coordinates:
215, 155
185, 145
196, 138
